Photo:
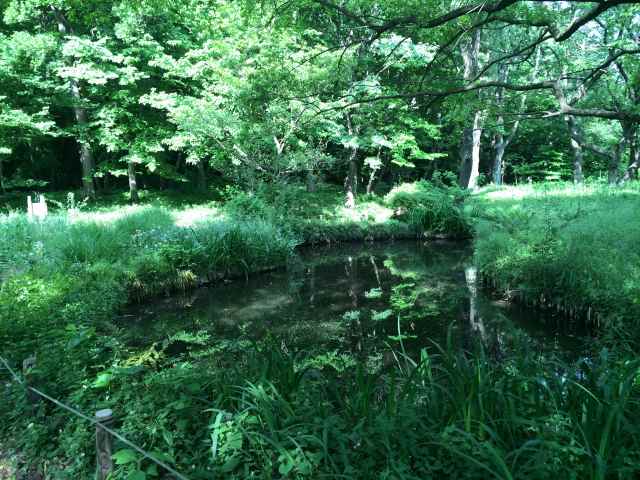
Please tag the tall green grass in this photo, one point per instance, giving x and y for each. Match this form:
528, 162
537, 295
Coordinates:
261, 412
146, 249
63, 280
569, 248
450, 415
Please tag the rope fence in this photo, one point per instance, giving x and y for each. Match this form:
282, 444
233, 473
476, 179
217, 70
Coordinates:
104, 461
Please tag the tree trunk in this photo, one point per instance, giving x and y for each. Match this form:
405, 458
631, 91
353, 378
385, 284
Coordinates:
615, 160
475, 156
372, 177
576, 147
470, 153
498, 164
353, 173
312, 285
202, 177
470, 147
86, 155
613, 166
631, 173
466, 157
311, 183
351, 182
500, 142
133, 184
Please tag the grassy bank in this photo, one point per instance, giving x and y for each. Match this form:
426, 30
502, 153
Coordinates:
64, 279
570, 249
251, 409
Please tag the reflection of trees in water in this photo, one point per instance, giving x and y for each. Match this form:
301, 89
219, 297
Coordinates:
372, 260
305, 304
356, 330
475, 320
312, 285
492, 340
296, 271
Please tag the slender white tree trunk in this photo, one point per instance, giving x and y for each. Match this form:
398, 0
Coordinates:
475, 151
472, 133
498, 161
631, 173
351, 182
133, 183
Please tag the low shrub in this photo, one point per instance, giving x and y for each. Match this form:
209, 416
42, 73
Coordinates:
249, 204
431, 208
318, 231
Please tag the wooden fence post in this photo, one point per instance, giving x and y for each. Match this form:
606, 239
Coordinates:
104, 462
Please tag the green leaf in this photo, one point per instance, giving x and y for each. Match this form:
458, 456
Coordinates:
234, 441
137, 475
152, 470
378, 316
103, 380
373, 293
231, 464
163, 456
125, 456
285, 467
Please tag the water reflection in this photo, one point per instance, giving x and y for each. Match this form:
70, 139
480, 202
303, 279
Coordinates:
350, 297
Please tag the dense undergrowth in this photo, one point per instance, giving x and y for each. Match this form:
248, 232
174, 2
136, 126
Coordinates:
251, 409
410, 210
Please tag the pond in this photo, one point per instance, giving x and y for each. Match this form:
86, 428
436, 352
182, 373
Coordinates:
354, 298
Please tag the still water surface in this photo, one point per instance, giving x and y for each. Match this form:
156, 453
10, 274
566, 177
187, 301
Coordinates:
355, 298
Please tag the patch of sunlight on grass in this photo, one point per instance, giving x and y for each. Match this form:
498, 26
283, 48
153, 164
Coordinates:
504, 193
368, 212
104, 216
190, 216
186, 217
563, 189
